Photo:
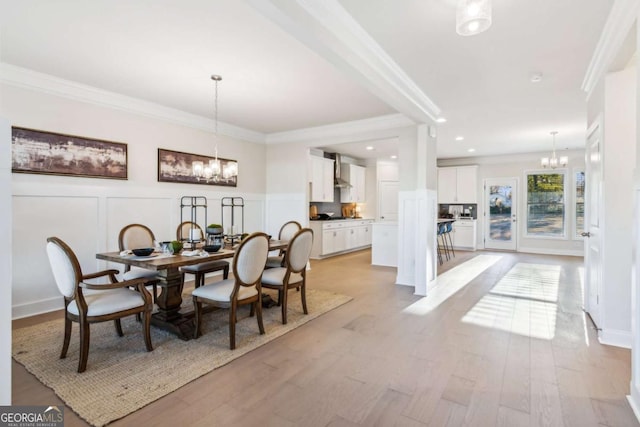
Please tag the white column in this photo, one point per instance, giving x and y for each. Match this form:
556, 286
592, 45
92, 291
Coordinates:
5, 261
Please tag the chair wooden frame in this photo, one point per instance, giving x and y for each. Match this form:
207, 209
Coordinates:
233, 304
273, 261
122, 247
300, 285
200, 270
84, 320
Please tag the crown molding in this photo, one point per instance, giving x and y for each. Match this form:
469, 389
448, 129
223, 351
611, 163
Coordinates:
328, 29
621, 18
345, 129
28, 79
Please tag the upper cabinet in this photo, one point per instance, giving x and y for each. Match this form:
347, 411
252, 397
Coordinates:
354, 175
321, 179
458, 184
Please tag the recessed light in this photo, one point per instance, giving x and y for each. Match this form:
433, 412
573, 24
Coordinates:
459, 138
536, 77
471, 150
370, 148
394, 157
441, 120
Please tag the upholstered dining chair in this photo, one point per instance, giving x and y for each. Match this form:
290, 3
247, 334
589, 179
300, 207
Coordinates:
91, 303
287, 231
242, 289
135, 236
293, 275
199, 270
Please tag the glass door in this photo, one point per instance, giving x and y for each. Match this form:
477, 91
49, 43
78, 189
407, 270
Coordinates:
500, 213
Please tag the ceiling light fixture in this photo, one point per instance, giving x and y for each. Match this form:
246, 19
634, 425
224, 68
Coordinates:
471, 150
536, 77
394, 156
473, 17
370, 148
441, 120
459, 138
214, 169
554, 161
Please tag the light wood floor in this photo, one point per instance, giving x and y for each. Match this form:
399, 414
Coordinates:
379, 361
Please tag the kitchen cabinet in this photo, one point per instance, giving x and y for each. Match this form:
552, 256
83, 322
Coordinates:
354, 175
339, 236
321, 179
458, 184
464, 234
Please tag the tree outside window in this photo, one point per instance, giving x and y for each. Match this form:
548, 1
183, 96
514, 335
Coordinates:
545, 204
580, 185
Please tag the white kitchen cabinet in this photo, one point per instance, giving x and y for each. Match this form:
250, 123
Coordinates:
354, 175
321, 179
339, 236
458, 184
464, 234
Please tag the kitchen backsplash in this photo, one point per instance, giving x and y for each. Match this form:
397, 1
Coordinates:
443, 210
335, 206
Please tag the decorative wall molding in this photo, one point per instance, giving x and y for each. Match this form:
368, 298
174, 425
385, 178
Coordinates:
28, 79
356, 127
621, 18
329, 30
615, 337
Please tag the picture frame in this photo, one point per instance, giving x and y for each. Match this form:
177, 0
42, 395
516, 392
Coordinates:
50, 153
177, 166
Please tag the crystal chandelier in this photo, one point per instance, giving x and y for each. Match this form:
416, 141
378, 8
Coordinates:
214, 170
554, 161
473, 17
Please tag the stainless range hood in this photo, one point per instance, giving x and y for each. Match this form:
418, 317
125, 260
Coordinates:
338, 181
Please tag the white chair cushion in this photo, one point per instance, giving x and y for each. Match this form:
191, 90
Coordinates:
137, 273
106, 302
275, 276
221, 291
274, 261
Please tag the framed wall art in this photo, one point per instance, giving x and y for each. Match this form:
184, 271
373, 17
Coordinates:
176, 166
41, 152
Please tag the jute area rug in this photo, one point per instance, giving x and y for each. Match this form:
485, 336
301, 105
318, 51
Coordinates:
122, 376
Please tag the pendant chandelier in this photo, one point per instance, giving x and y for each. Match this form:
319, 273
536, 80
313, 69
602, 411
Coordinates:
215, 170
554, 161
473, 17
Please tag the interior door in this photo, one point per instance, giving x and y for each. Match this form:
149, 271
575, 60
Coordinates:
500, 213
388, 200
592, 241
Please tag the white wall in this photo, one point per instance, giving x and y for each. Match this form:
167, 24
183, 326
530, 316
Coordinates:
517, 166
87, 212
5, 261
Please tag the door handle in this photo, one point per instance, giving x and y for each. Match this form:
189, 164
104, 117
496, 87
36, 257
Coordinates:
585, 234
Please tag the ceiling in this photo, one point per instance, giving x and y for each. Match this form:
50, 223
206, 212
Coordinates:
275, 80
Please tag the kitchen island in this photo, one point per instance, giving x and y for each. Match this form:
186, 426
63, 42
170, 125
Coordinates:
338, 236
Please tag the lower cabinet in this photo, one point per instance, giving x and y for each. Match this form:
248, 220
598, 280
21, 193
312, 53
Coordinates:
332, 237
464, 234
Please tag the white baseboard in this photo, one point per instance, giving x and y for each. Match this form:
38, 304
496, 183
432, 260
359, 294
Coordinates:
543, 251
634, 405
615, 338
405, 280
37, 307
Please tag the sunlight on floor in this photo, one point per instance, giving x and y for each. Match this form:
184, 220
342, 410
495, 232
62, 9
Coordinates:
584, 317
523, 302
451, 282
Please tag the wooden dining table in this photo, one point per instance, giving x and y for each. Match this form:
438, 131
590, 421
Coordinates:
169, 315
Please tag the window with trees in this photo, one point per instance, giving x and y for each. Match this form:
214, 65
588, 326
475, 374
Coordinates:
546, 204
580, 185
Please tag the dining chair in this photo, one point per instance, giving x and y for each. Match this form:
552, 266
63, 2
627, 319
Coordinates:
135, 236
87, 303
199, 270
287, 231
293, 275
242, 289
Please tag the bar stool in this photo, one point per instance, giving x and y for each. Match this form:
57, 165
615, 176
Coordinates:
447, 234
442, 243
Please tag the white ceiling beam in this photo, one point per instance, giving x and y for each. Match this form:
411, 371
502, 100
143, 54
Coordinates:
329, 30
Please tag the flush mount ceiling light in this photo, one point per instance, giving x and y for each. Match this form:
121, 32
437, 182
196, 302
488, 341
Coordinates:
473, 17
554, 161
214, 170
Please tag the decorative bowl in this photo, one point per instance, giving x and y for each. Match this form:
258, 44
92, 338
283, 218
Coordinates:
142, 251
211, 248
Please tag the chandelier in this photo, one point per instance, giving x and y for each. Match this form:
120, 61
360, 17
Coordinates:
554, 161
215, 170
473, 17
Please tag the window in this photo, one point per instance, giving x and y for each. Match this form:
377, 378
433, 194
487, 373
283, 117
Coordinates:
580, 183
545, 204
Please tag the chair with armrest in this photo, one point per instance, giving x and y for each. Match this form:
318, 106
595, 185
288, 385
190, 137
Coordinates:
293, 275
91, 303
184, 232
243, 289
135, 236
287, 231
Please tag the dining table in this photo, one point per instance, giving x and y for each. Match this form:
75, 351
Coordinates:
169, 315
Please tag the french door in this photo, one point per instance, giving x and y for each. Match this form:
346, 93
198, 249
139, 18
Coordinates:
500, 213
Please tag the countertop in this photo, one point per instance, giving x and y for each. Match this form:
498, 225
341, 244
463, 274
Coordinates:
341, 219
